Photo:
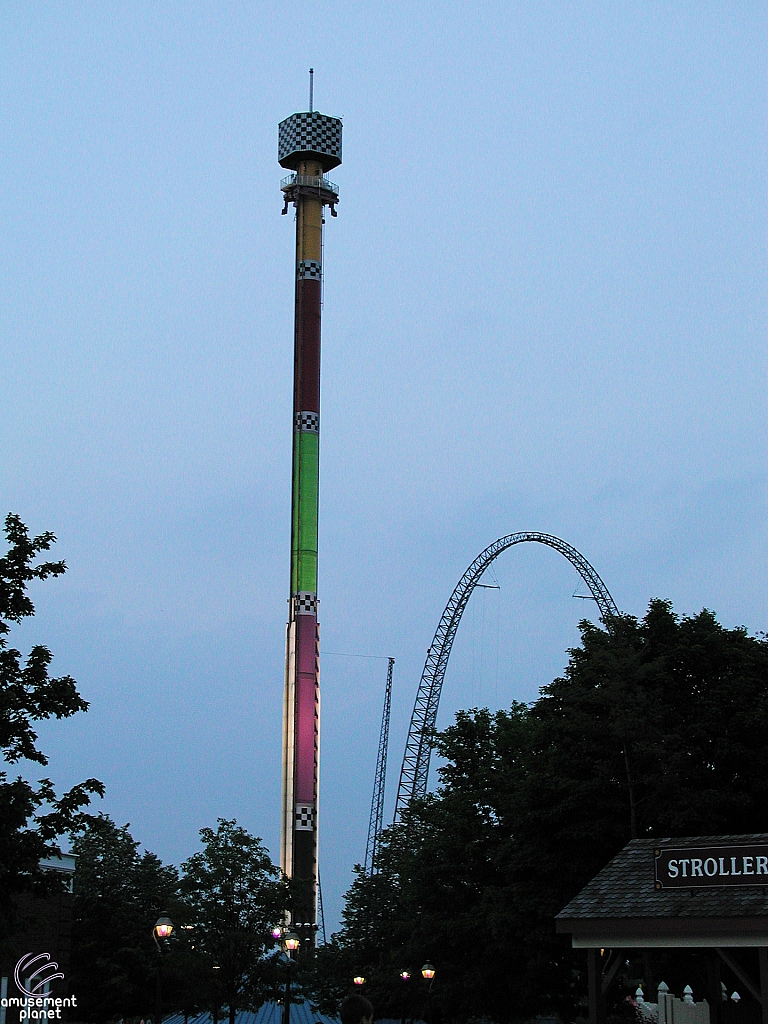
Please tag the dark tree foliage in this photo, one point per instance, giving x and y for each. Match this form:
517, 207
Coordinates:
223, 910
235, 897
657, 728
118, 896
32, 816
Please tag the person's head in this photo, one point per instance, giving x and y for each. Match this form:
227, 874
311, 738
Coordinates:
356, 1009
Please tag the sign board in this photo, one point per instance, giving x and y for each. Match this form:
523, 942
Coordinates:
706, 866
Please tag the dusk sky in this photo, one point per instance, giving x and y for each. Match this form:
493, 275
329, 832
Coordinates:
545, 309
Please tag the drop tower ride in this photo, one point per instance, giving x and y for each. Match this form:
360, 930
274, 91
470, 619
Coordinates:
309, 144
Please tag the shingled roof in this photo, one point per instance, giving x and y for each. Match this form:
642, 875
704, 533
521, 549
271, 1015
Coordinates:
621, 906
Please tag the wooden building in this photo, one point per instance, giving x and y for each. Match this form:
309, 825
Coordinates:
703, 893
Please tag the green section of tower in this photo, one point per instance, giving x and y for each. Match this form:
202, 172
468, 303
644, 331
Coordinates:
305, 497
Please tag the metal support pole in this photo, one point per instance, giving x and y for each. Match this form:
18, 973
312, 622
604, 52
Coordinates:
159, 991
287, 1000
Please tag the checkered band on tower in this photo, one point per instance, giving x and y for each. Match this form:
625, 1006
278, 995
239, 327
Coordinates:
309, 270
310, 132
305, 817
308, 422
305, 603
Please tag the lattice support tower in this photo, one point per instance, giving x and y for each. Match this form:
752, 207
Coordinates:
376, 820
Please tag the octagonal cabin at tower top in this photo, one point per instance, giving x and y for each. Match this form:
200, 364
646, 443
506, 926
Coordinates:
309, 136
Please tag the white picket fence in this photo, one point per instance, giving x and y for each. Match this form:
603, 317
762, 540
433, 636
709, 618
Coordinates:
669, 1010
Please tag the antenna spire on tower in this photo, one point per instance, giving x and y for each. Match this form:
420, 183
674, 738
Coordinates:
311, 89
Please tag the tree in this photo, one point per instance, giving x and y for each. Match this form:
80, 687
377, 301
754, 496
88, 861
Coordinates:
118, 896
235, 897
33, 816
656, 729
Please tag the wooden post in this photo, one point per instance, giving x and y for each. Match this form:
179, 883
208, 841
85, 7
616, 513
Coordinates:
714, 990
595, 981
611, 969
762, 959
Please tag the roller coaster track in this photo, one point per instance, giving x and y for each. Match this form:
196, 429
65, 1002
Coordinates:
414, 772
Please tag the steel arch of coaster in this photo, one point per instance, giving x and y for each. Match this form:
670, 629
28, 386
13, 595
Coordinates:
414, 772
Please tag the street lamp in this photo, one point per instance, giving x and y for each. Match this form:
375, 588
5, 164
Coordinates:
359, 980
291, 942
162, 931
428, 974
405, 976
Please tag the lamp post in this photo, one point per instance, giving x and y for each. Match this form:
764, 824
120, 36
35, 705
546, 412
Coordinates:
428, 974
405, 977
162, 931
291, 942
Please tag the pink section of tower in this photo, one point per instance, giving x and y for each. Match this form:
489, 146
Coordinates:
306, 676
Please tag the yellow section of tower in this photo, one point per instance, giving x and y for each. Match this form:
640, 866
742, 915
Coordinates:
310, 216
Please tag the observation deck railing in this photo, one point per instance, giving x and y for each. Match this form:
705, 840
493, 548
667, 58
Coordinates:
308, 181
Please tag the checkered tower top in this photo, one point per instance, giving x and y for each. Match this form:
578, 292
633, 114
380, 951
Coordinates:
309, 136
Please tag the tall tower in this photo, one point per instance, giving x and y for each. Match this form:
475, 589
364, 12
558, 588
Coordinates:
309, 144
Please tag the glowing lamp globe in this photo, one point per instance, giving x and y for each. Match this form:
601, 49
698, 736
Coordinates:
163, 927
359, 980
291, 942
405, 975
428, 972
